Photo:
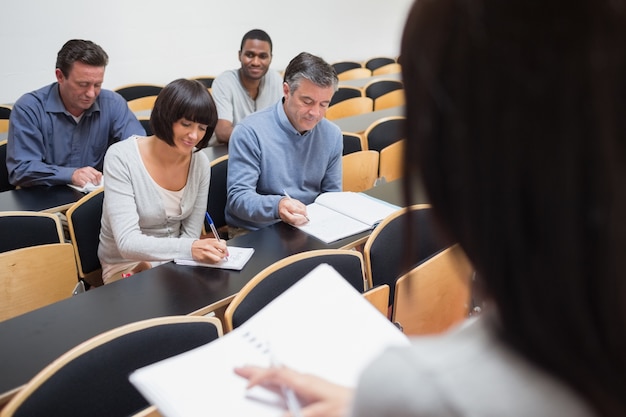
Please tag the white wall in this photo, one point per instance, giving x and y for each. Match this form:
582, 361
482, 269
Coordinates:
157, 41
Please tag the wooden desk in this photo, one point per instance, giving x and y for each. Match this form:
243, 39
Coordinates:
33, 340
40, 198
360, 122
214, 152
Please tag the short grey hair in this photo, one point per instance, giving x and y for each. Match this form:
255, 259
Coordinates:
312, 68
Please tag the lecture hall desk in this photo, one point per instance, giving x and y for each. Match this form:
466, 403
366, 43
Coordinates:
31, 341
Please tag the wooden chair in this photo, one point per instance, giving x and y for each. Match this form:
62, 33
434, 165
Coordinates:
83, 221
377, 62
389, 254
392, 161
393, 68
21, 229
92, 378
35, 276
353, 74
385, 131
216, 204
278, 277
378, 296
5, 113
360, 170
391, 99
207, 80
142, 104
135, 91
145, 123
343, 66
381, 86
345, 92
435, 295
350, 107
353, 142
5, 185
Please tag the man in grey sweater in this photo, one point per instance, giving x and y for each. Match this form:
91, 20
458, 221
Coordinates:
283, 157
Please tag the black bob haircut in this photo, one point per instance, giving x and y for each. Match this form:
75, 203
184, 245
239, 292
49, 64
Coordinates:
187, 99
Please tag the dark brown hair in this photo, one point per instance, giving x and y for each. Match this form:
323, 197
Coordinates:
515, 120
86, 52
179, 99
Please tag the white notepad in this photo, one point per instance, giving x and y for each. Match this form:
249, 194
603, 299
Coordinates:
87, 188
321, 325
336, 215
237, 259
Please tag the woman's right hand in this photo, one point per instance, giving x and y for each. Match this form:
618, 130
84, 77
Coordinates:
209, 250
318, 397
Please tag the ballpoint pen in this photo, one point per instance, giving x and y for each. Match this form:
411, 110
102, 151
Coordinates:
213, 229
293, 405
297, 214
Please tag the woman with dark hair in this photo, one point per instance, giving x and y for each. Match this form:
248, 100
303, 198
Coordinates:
156, 187
515, 126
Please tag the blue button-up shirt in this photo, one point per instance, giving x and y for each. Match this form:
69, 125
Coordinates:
45, 144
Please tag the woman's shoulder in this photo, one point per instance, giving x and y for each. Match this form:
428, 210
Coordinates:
468, 369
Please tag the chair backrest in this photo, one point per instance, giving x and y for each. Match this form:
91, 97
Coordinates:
278, 277
359, 170
142, 103
378, 87
21, 229
378, 296
392, 161
134, 91
393, 98
350, 107
34, 277
345, 92
353, 74
343, 66
5, 185
92, 378
83, 221
388, 254
393, 68
216, 204
207, 80
383, 132
353, 142
145, 123
435, 295
5, 112
377, 62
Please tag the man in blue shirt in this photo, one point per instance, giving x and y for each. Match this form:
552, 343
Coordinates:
60, 133
281, 158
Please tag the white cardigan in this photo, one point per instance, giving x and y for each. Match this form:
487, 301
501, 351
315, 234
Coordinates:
134, 222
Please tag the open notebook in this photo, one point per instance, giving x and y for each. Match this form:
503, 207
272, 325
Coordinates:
335, 215
320, 325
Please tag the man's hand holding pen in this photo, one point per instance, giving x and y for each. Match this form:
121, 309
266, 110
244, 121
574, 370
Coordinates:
292, 211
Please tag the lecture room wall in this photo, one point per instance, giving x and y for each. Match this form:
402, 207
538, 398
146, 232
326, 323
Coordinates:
156, 41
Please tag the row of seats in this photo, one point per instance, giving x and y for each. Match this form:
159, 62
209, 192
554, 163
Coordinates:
377, 94
349, 70
39, 267
431, 292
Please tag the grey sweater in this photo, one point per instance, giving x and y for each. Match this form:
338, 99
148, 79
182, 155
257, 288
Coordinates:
134, 223
466, 372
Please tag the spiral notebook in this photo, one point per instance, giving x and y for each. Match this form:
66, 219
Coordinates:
321, 325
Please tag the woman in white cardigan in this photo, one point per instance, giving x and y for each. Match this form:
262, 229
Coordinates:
156, 187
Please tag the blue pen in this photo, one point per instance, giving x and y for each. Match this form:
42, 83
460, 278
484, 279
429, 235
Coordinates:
213, 229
